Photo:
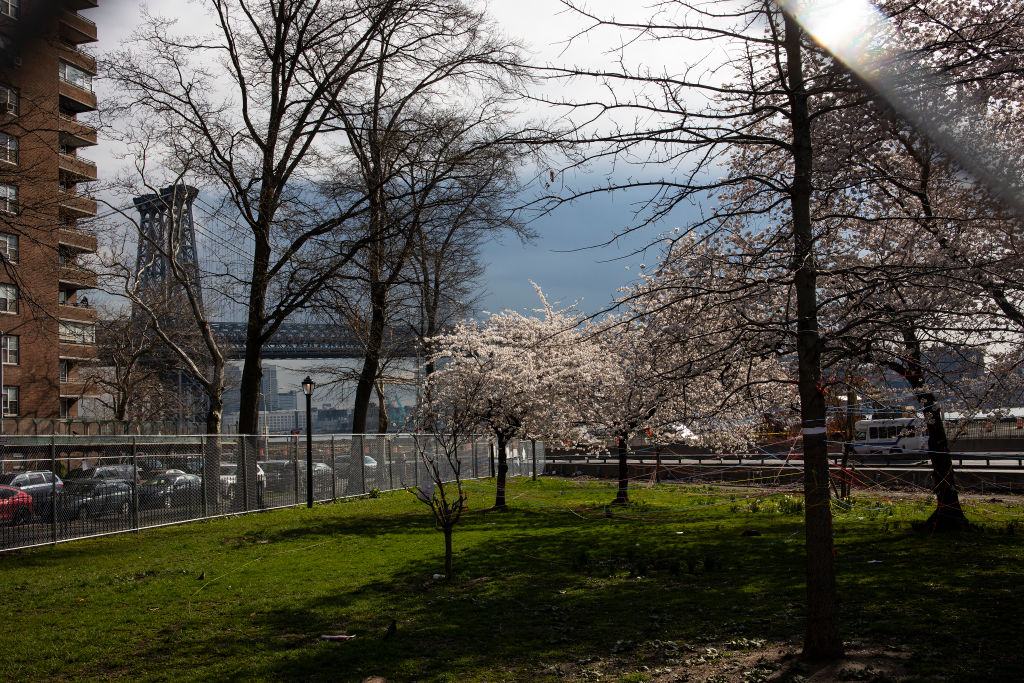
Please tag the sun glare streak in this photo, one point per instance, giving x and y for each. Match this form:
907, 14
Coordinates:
849, 29
866, 41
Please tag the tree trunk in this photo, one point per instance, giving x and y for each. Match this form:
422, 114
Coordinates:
252, 367
622, 496
948, 513
850, 431
382, 415
821, 636
499, 499
211, 455
371, 360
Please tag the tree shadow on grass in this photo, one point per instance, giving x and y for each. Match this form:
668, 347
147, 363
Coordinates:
546, 592
529, 600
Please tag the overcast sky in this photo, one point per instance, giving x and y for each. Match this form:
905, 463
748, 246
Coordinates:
558, 260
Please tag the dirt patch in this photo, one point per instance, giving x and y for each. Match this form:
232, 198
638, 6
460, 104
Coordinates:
740, 660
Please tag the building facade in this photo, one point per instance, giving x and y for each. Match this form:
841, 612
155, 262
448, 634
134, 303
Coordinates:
46, 97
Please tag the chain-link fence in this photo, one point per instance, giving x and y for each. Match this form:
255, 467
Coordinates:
58, 488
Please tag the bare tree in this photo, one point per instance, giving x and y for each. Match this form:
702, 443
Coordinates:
258, 117
163, 285
131, 382
445, 429
408, 140
452, 184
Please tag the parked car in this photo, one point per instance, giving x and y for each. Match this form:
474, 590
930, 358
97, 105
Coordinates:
85, 498
281, 475
15, 506
229, 479
117, 472
41, 485
193, 464
170, 490
322, 475
150, 467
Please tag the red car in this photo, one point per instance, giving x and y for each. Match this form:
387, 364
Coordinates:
15, 506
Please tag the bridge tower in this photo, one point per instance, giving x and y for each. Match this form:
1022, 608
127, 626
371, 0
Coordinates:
167, 226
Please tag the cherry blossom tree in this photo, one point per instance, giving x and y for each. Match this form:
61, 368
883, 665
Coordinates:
624, 391
924, 255
687, 126
510, 372
750, 140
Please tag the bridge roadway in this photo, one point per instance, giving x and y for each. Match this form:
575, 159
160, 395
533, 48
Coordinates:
304, 340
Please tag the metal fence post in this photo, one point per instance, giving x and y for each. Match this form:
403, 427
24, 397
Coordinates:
387, 455
203, 483
490, 450
362, 464
135, 485
334, 472
240, 467
53, 488
295, 466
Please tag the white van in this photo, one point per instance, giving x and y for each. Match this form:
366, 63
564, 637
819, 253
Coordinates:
885, 437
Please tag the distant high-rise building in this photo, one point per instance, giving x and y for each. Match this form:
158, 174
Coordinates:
268, 387
47, 328
269, 398
289, 400
232, 397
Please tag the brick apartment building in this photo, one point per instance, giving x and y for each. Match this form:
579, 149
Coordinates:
47, 325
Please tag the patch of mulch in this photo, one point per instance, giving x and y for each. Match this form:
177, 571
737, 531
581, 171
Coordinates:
740, 659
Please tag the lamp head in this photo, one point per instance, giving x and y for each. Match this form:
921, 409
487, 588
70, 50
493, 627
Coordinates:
307, 386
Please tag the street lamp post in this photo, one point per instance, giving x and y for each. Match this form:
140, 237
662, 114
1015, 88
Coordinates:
307, 389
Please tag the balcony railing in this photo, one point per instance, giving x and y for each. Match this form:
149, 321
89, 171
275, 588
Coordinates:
74, 227
68, 45
85, 19
78, 84
79, 159
79, 166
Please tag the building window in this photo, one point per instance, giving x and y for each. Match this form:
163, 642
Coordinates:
10, 8
8, 298
10, 400
66, 405
8, 100
65, 370
77, 333
9, 349
9, 246
75, 76
8, 148
8, 198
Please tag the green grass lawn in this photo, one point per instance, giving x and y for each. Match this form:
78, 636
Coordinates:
558, 587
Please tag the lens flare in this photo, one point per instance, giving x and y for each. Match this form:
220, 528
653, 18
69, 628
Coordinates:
852, 30
866, 41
